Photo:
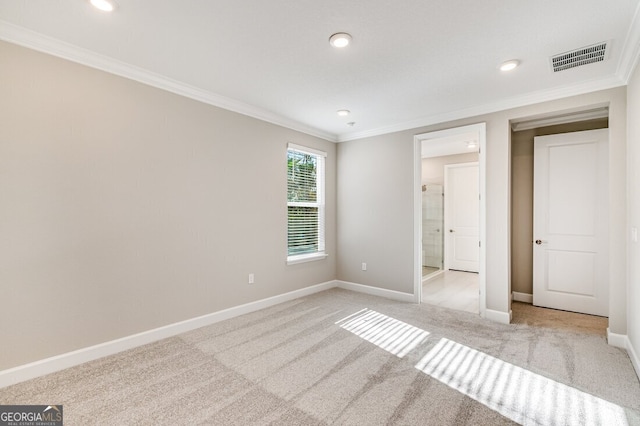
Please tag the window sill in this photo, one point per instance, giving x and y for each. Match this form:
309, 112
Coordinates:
303, 258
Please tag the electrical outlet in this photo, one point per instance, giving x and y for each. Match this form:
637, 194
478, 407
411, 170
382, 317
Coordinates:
364, 266
251, 279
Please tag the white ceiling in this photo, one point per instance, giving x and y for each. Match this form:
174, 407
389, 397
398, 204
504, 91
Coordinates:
411, 63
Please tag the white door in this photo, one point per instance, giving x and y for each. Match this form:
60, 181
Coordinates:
462, 220
570, 225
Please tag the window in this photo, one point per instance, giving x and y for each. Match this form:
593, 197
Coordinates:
305, 204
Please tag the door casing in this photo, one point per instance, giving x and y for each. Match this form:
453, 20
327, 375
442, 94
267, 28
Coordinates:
481, 130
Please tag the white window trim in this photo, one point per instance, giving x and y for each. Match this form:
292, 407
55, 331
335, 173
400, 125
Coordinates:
305, 150
304, 258
321, 253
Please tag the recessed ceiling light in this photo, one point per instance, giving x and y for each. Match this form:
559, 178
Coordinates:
340, 40
343, 112
104, 5
509, 65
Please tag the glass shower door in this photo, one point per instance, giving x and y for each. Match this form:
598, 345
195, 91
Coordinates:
432, 228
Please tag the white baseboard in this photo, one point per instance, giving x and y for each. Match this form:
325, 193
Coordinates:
376, 291
522, 297
623, 341
60, 362
497, 316
633, 354
617, 340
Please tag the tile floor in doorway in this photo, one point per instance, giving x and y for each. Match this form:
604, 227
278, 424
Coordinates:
453, 290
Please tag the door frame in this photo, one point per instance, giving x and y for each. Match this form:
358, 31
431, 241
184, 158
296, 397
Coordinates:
481, 131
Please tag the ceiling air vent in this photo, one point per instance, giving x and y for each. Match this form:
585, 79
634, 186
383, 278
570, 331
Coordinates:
583, 56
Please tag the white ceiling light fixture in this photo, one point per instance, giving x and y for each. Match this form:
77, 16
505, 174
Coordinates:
509, 65
340, 40
343, 112
103, 5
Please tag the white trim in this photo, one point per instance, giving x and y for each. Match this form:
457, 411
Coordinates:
630, 50
417, 220
522, 297
36, 41
617, 340
481, 130
319, 204
500, 105
80, 356
304, 258
305, 149
376, 291
570, 117
482, 272
623, 341
635, 360
497, 316
56, 363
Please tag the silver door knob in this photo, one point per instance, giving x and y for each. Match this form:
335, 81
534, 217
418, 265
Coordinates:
538, 242
451, 230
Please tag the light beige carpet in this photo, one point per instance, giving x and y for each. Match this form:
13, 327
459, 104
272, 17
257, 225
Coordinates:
340, 357
524, 313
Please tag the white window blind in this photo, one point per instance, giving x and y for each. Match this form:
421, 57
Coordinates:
305, 203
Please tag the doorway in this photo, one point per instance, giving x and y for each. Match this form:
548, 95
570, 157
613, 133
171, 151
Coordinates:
522, 196
455, 285
442, 145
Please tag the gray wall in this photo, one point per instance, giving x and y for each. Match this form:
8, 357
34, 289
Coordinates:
375, 202
522, 198
126, 208
375, 199
633, 301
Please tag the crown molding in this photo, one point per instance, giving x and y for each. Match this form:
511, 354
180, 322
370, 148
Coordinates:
630, 50
24, 37
500, 105
555, 119
36, 41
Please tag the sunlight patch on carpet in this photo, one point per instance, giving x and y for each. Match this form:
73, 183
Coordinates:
521, 395
388, 333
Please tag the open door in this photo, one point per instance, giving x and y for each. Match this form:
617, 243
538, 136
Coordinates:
570, 225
